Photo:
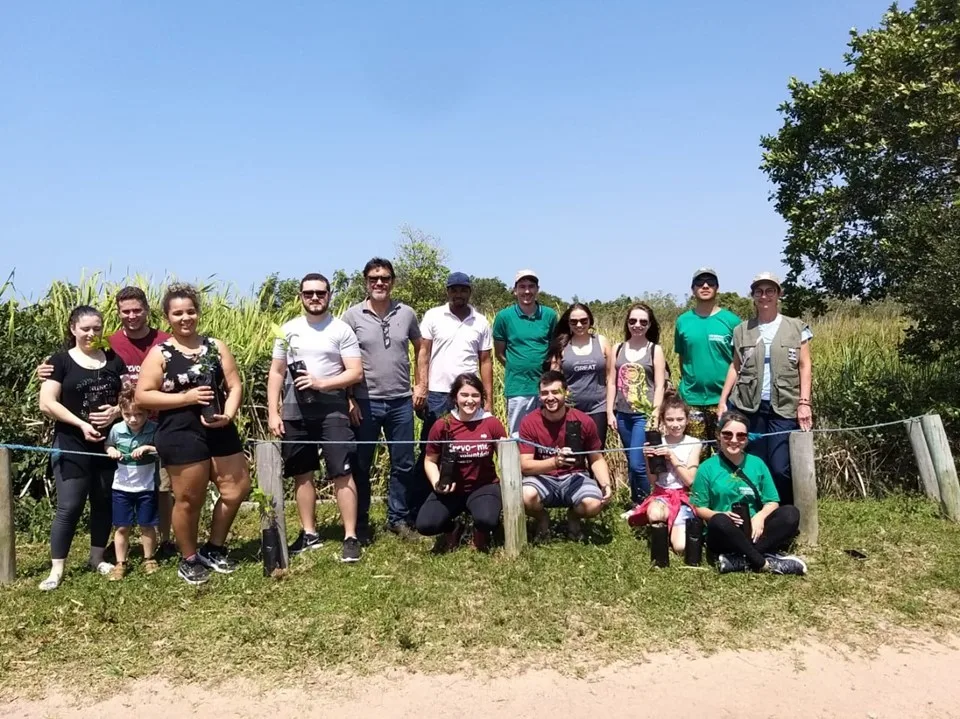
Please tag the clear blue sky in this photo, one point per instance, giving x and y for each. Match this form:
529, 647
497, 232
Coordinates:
611, 146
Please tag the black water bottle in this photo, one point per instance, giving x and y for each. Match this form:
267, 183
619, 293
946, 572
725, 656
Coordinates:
658, 464
693, 550
743, 510
659, 545
447, 467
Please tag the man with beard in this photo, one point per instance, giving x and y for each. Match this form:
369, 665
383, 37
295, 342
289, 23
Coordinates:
132, 342
322, 356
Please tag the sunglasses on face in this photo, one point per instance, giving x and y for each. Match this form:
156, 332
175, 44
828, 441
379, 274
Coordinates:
379, 279
584, 321
307, 294
739, 436
634, 321
705, 281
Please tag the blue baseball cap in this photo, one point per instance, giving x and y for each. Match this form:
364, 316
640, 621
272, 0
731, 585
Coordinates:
461, 279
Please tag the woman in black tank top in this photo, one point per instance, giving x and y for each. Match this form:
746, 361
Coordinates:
192, 381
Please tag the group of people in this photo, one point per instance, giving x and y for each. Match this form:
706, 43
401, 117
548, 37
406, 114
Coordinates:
149, 415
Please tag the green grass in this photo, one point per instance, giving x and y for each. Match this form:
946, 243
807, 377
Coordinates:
563, 604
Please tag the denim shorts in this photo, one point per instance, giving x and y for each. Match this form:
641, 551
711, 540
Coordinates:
135, 508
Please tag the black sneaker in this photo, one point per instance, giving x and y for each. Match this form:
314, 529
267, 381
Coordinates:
404, 531
193, 572
351, 550
215, 558
727, 563
166, 550
786, 564
304, 543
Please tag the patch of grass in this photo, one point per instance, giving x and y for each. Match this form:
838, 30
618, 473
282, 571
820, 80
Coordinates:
563, 604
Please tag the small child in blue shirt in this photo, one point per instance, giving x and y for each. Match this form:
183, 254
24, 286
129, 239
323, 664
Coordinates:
130, 442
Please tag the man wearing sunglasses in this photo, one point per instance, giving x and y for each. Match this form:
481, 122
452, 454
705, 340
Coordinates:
383, 401
703, 339
770, 379
314, 363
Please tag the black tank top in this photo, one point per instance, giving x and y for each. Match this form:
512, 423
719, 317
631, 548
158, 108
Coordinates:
182, 372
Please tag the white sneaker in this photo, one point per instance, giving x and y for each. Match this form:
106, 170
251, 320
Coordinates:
104, 568
50, 583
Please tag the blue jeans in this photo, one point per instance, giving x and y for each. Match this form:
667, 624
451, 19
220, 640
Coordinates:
774, 451
395, 418
632, 429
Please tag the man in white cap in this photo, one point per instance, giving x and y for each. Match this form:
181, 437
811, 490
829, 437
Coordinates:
770, 379
521, 341
703, 339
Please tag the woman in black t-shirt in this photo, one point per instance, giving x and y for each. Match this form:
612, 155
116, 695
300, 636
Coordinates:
193, 382
81, 396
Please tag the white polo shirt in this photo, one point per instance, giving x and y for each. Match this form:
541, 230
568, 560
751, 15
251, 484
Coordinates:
456, 345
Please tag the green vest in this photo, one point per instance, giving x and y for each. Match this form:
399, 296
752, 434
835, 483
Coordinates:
784, 367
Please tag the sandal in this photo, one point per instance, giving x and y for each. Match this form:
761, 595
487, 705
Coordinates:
150, 566
118, 572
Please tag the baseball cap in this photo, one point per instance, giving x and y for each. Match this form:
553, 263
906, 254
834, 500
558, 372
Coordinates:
521, 274
766, 277
704, 271
461, 279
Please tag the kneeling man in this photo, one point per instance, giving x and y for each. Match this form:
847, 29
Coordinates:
552, 475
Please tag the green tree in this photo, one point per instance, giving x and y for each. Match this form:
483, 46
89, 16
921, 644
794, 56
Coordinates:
866, 169
738, 304
490, 294
420, 264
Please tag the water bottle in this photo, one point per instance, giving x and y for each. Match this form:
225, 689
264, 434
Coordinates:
659, 545
693, 551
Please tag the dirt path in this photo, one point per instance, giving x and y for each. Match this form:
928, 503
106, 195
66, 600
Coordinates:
921, 681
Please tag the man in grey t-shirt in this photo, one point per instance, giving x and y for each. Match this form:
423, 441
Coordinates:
382, 402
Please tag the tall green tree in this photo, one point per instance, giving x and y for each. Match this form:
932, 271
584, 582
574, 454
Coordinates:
866, 169
420, 264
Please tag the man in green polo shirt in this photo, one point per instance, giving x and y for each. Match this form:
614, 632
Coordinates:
703, 339
521, 340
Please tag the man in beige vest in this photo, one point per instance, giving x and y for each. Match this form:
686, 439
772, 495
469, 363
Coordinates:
770, 379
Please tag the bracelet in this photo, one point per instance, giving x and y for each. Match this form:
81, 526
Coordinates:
803, 401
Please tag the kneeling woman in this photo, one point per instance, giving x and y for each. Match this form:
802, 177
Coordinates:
184, 378
467, 437
732, 484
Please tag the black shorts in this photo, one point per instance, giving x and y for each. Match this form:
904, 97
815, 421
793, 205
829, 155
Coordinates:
331, 426
189, 445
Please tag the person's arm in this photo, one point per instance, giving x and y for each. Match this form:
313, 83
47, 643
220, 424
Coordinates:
419, 375
149, 396
531, 467
601, 473
44, 370
231, 378
500, 350
50, 405
431, 468
351, 375
499, 334
804, 409
678, 350
686, 471
424, 348
486, 378
731, 380
611, 388
275, 379
659, 381
110, 445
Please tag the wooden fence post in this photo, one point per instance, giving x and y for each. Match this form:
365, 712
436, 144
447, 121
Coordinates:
270, 480
943, 465
511, 491
8, 532
804, 472
928, 475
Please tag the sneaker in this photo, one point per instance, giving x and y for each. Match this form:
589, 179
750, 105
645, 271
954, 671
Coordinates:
150, 566
215, 558
118, 572
166, 550
304, 543
727, 563
481, 540
786, 564
404, 531
351, 550
193, 572
104, 568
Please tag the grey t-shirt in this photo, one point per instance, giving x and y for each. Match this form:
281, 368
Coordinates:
384, 349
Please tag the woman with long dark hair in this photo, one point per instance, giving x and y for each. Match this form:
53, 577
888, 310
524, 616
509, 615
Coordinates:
734, 494
583, 356
192, 381
80, 395
460, 453
636, 378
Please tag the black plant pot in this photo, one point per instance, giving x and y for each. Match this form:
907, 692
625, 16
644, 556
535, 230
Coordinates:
658, 465
99, 397
304, 396
447, 469
210, 411
693, 550
743, 510
271, 550
659, 545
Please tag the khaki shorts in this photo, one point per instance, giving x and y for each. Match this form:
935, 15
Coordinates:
164, 485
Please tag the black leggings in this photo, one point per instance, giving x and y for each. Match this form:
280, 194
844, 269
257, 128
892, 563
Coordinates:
723, 536
438, 512
72, 494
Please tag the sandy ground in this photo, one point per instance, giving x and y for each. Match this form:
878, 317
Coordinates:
920, 681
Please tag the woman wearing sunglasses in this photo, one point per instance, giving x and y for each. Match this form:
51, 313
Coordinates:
733, 485
635, 384
583, 356
771, 378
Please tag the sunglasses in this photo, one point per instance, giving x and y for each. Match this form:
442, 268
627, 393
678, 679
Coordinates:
307, 294
379, 279
634, 321
739, 436
708, 281
584, 321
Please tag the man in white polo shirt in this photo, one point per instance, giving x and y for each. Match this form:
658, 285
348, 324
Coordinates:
455, 338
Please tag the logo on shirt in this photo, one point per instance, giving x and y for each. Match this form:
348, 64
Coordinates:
585, 367
719, 338
792, 354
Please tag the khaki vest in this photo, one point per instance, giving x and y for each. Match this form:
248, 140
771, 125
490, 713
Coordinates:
784, 367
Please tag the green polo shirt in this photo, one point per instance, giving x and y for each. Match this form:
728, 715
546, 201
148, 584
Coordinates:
718, 487
528, 341
705, 346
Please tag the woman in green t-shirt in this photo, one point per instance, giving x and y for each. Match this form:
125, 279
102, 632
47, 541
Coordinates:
732, 484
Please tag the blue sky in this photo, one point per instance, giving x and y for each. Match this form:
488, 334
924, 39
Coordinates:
611, 146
